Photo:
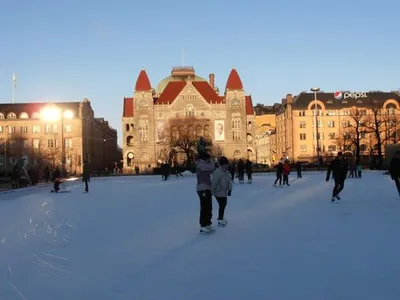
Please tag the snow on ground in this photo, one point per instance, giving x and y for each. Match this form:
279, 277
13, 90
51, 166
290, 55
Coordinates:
137, 238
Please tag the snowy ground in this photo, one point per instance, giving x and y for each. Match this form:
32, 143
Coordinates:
137, 238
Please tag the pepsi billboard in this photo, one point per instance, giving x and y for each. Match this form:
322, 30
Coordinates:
349, 95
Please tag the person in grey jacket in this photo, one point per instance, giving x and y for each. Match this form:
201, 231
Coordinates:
204, 167
221, 188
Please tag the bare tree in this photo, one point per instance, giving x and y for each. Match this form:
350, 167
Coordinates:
375, 124
353, 130
183, 135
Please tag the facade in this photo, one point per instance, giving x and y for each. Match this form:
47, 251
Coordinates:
35, 131
227, 120
297, 136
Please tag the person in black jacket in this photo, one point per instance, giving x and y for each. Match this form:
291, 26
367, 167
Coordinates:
394, 169
279, 171
298, 169
338, 167
249, 171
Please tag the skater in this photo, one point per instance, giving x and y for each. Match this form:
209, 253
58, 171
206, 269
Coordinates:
338, 167
279, 171
56, 179
240, 170
204, 168
221, 188
232, 170
86, 176
177, 169
359, 170
249, 171
394, 170
298, 169
286, 172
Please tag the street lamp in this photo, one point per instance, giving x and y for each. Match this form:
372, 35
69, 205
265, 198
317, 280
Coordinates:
53, 114
316, 112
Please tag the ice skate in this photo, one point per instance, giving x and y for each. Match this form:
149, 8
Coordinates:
276, 186
222, 223
333, 199
206, 229
337, 197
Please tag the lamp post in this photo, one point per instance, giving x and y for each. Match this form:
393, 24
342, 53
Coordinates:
316, 112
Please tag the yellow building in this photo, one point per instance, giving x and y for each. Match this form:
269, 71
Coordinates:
297, 136
225, 119
35, 131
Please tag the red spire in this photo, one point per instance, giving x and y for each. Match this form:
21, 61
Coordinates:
143, 82
234, 82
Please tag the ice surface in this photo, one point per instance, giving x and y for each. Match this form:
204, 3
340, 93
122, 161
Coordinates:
137, 238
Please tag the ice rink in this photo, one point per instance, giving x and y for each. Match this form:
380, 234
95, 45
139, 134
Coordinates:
138, 238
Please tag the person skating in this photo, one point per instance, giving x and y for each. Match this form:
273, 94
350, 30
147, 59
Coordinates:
204, 168
286, 172
221, 188
232, 170
240, 170
86, 176
279, 171
298, 169
394, 170
339, 168
56, 179
249, 171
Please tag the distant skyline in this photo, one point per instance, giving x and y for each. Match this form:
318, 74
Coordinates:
66, 51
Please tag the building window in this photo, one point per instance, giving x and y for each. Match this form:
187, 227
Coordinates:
303, 148
236, 125
1, 129
36, 129
332, 148
11, 129
302, 124
51, 128
302, 113
189, 111
36, 144
332, 113
51, 143
23, 115
302, 136
26, 144
68, 143
1, 116
144, 130
362, 135
68, 128
331, 124
24, 129
11, 115
347, 147
363, 147
332, 136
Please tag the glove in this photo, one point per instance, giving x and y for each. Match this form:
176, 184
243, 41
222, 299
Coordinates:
229, 193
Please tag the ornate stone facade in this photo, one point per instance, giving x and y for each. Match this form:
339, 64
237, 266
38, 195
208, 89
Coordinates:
229, 119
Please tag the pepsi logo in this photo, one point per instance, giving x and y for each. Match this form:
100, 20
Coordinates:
338, 95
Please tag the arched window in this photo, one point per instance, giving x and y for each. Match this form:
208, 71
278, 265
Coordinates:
129, 159
23, 115
11, 115
190, 111
1, 116
319, 109
249, 138
129, 140
391, 109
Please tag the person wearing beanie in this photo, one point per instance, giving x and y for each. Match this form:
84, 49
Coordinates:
339, 167
222, 188
204, 167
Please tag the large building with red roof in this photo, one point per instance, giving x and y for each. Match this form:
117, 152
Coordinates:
227, 119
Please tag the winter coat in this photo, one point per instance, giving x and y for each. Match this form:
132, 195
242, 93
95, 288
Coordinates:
221, 182
394, 168
279, 169
249, 167
204, 168
339, 169
286, 169
86, 173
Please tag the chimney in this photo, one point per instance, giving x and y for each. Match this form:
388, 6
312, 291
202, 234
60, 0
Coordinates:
212, 80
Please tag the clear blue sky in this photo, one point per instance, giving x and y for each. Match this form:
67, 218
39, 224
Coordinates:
69, 50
